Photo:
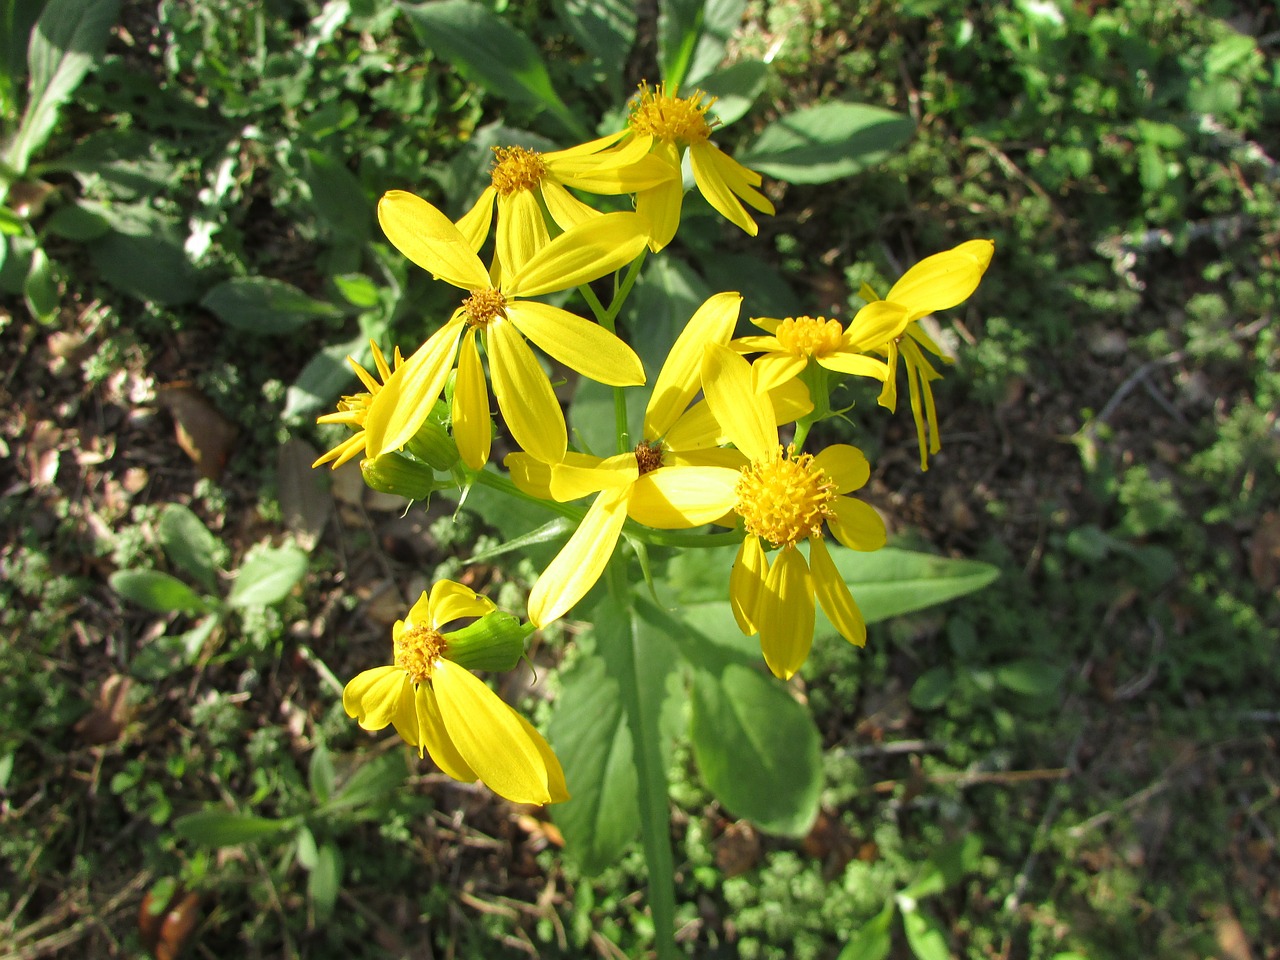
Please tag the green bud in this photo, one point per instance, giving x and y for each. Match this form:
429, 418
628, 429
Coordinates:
433, 445
494, 642
400, 475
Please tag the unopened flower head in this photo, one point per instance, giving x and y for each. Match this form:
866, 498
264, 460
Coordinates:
353, 409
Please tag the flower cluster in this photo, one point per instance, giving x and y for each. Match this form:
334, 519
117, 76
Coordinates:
725, 441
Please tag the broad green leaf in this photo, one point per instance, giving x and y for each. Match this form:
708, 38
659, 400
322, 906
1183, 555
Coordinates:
166, 655
40, 289
827, 142
605, 28
757, 748
358, 290
925, 936
188, 543
1031, 678
735, 89
127, 160
369, 786
308, 849
227, 828
267, 576
77, 221
325, 880
679, 27
931, 689
338, 196
873, 940
720, 21
320, 773
591, 738
69, 36
143, 256
261, 305
326, 376
157, 591
490, 52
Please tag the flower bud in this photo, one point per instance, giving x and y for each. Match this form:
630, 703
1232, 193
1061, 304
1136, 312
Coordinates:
399, 475
494, 642
432, 443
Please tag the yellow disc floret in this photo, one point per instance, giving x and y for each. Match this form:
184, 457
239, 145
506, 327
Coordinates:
809, 336
483, 306
417, 648
516, 168
679, 120
784, 499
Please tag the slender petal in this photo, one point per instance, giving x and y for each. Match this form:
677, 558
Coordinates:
475, 223
572, 479
847, 466
405, 400
524, 395
744, 415
746, 583
522, 231
578, 343
434, 735
373, 695
580, 562
678, 381
833, 593
454, 601
471, 423
774, 369
942, 280
430, 239
565, 209
721, 180
855, 364
785, 613
589, 250
661, 205
856, 524
677, 497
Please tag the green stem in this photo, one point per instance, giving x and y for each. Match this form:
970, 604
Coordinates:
646, 752
608, 318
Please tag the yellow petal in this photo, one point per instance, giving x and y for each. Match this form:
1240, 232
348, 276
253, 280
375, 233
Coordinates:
846, 466
373, 696
534, 476
430, 239
405, 719
601, 245
679, 379
528, 405
508, 754
475, 223
578, 343
721, 180
746, 582
833, 593
678, 497
521, 230
745, 416
572, 479
785, 613
944, 279
877, 323
775, 369
578, 565
471, 423
661, 204
405, 401
855, 364
856, 524
434, 735
419, 614
454, 601
565, 209
889, 392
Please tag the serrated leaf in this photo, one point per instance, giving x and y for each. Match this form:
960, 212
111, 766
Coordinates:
267, 576
189, 545
261, 305
227, 828
157, 592
827, 142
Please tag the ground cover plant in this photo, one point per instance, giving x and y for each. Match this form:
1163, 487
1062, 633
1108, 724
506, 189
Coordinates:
1077, 761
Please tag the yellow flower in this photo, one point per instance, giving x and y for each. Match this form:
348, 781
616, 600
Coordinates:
442, 708
666, 124
935, 283
785, 497
794, 341
497, 316
524, 182
353, 409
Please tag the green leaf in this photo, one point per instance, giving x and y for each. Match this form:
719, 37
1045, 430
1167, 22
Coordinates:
873, 940
320, 773
679, 26
735, 89
1031, 678
325, 377
143, 256
267, 576
308, 850
77, 221
606, 29
69, 36
157, 591
488, 51
827, 142
227, 828
338, 197
719, 22
325, 880
262, 305
189, 545
369, 786
891, 581
931, 689
925, 936
166, 655
40, 289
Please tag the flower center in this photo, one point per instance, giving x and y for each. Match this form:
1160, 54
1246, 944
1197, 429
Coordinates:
483, 306
809, 336
648, 456
785, 498
417, 649
671, 119
515, 168
356, 404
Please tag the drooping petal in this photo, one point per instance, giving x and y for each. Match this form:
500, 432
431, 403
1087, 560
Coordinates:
572, 479
601, 245
430, 239
856, 524
628, 169
578, 343
833, 593
580, 562
877, 323
889, 392
746, 582
565, 209
679, 497
454, 601
942, 280
744, 415
534, 476
679, 379
722, 180
405, 719
373, 696
524, 395
661, 204
785, 613
846, 466
471, 423
509, 755
405, 400
419, 614
521, 230
774, 369
855, 364
434, 735
475, 223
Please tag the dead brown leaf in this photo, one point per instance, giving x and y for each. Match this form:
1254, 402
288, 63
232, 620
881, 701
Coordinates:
1233, 941
738, 849
204, 434
109, 716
